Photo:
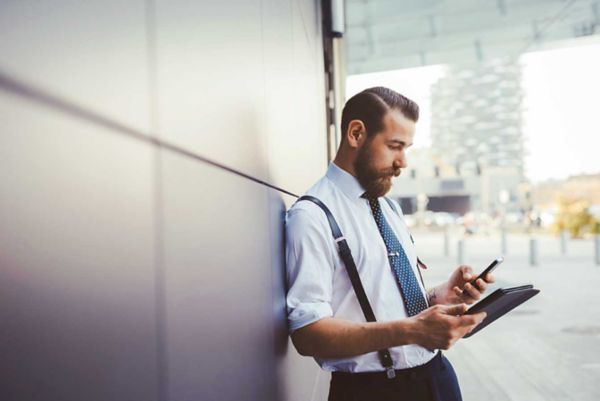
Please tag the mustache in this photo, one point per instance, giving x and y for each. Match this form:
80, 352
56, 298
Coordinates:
390, 171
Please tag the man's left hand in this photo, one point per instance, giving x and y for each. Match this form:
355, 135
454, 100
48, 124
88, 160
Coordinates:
452, 291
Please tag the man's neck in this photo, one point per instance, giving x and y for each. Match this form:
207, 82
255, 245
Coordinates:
345, 164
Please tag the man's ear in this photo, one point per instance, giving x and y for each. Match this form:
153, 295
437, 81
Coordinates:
356, 133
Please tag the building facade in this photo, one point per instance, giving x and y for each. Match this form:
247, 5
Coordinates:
148, 150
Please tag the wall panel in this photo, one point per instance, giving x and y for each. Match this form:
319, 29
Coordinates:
91, 53
295, 92
210, 80
218, 284
76, 260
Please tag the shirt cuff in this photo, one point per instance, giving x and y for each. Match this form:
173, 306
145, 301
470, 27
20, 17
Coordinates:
308, 313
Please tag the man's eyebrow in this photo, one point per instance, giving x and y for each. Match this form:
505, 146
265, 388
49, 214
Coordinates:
398, 141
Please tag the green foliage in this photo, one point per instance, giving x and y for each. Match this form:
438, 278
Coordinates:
574, 216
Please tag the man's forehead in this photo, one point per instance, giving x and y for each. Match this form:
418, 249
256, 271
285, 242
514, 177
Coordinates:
398, 126
396, 116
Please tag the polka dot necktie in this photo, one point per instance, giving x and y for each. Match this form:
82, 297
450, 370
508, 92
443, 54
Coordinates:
405, 276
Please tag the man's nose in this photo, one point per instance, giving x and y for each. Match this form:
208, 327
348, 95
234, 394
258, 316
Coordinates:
400, 162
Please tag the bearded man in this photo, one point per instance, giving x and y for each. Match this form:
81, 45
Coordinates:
396, 357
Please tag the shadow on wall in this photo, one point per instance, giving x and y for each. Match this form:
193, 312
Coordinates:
280, 330
297, 378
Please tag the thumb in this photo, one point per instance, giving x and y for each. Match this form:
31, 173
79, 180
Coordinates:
467, 272
455, 310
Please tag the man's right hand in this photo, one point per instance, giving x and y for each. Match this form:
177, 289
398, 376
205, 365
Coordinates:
440, 326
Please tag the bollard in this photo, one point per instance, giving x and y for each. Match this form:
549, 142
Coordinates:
460, 251
563, 242
597, 248
503, 241
533, 250
446, 242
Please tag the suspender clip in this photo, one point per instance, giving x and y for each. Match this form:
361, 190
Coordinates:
391, 373
343, 247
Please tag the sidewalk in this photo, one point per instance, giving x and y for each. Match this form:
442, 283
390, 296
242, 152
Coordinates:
547, 349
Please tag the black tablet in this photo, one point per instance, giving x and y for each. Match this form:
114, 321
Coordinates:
500, 302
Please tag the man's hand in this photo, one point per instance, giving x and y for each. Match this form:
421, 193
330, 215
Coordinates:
440, 326
451, 292
437, 327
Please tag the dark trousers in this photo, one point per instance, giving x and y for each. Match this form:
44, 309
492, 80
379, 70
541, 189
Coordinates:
434, 381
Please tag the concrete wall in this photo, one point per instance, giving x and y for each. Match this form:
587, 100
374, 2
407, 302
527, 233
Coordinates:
135, 270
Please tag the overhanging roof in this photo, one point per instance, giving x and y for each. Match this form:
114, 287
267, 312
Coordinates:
394, 34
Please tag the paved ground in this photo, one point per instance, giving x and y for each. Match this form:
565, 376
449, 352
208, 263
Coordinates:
548, 348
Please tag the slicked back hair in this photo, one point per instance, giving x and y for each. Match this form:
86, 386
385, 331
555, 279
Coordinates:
371, 105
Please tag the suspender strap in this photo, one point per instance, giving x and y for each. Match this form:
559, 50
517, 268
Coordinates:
346, 256
389, 202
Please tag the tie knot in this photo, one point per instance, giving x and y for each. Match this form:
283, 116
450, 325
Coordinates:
373, 203
369, 197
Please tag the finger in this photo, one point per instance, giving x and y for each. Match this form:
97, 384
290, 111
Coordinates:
455, 310
472, 320
472, 291
490, 278
481, 285
463, 295
467, 273
480, 317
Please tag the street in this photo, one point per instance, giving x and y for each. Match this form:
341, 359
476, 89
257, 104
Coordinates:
546, 349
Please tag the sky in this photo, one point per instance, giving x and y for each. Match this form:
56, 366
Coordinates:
561, 109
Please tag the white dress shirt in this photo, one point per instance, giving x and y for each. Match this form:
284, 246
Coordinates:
318, 284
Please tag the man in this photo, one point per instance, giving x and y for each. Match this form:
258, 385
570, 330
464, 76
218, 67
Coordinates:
325, 317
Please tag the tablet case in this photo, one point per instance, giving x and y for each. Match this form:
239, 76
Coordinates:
500, 302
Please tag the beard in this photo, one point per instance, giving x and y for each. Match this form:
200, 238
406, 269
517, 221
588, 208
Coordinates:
375, 182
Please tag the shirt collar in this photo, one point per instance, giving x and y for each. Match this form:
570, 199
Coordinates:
345, 181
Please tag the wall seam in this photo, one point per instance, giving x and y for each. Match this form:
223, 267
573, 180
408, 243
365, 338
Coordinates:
40, 97
157, 166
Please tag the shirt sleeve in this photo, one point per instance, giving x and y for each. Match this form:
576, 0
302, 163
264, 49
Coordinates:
309, 268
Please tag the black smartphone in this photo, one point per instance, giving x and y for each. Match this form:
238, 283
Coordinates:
487, 270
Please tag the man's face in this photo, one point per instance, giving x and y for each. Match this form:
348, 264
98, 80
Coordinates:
381, 156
